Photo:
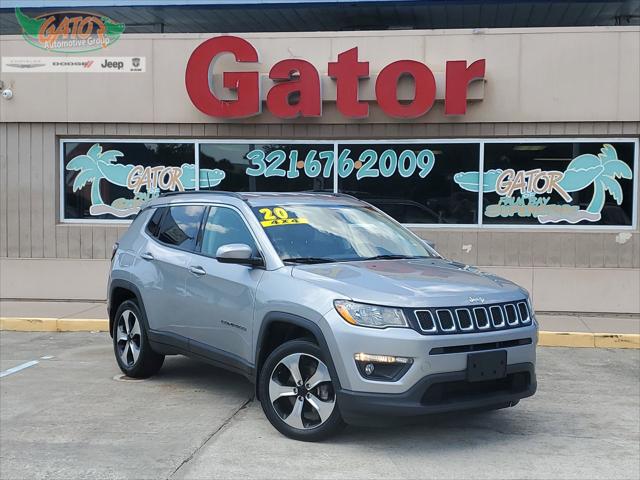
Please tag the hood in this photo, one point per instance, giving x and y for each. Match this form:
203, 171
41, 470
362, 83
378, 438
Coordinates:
410, 282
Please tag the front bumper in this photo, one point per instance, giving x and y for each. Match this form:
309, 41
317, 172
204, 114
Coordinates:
345, 340
438, 393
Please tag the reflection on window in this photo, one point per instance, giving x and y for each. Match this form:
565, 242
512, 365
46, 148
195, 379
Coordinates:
180, 226
224, 226
270, 167
111, 179
412, 183
558, 183
336, 232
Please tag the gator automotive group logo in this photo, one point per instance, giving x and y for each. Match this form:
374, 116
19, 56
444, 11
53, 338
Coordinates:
69, 31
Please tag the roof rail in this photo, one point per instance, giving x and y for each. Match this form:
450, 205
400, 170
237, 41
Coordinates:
333, 194
338, 194
193, 192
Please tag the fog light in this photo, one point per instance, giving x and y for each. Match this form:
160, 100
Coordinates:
366, 357
386, 368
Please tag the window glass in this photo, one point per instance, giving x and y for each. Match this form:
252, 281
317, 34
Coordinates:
317, 233
556, 183
224, 226
154, 222
251, 167
180, 226
111, 179
413, 183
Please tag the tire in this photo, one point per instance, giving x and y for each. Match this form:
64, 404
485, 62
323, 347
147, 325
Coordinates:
131, 346
307, 411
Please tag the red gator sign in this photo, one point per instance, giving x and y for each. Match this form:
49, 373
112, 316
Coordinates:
299, 78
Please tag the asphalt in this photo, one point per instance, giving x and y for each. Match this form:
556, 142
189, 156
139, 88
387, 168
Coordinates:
71, 416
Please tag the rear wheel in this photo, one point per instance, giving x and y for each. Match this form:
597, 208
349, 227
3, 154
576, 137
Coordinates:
297, 392
130, 344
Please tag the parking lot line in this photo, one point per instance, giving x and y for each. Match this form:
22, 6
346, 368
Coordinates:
22, 366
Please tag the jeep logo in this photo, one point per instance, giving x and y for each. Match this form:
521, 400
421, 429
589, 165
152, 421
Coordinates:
476, 300
110, 64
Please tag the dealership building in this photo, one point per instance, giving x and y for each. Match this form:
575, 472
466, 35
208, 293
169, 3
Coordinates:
506, 133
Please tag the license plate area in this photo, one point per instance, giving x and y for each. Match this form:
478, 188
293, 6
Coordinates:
483, 366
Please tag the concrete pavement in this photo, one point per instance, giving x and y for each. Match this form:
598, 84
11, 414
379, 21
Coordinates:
66, 417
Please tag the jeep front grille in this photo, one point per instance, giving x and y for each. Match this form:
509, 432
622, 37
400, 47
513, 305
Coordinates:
501, 316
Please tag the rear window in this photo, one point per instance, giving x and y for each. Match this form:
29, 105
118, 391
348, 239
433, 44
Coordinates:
179, 226
154, 224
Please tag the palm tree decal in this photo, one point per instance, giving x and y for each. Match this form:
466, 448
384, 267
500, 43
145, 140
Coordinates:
602, 170
90, 169
97, 165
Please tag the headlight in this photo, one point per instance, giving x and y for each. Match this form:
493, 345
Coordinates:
532, 314
370, 315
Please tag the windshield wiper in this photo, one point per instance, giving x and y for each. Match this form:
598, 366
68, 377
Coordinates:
393, 257
309, 260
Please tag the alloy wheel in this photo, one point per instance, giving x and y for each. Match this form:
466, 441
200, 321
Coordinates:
128, 338
301, 391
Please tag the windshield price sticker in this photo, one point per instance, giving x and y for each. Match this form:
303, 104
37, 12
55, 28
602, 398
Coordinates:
320, 164
278, 216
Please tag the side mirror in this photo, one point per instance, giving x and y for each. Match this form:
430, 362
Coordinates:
239, 253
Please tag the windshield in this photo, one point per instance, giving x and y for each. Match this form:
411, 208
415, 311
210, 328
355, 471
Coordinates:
327, 233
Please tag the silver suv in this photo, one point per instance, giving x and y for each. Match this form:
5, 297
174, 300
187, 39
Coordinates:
335, 311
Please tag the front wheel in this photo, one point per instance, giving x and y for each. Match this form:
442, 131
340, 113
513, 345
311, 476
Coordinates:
130, 344
297, 392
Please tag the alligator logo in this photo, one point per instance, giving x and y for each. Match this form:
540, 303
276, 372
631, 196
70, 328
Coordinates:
602, 171
96, 165
68, 31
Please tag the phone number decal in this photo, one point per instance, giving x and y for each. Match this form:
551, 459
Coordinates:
320, 163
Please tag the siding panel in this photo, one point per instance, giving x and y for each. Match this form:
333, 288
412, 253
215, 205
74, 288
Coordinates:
51, 179
24, 182
3, 189
73, 233
37, 194
98, 242
62, 241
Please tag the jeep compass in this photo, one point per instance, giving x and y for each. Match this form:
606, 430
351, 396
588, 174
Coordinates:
334, 310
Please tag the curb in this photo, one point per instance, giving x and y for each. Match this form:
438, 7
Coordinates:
545, 339
588, 340
54, 324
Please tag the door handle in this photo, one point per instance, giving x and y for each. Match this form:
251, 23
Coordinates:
197, 270
146, 256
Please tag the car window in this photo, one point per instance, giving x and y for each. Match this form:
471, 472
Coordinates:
154, 224
336, 233
180, 225
224, 226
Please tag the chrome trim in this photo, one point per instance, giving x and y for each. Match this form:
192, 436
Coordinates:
475, 316
453, 320
434, 329
526, 308
471, 327
515, 314
493, 319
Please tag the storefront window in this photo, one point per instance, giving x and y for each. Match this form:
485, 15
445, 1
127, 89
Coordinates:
110, 180
545, 183
278, 167
558, 183
411, 182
